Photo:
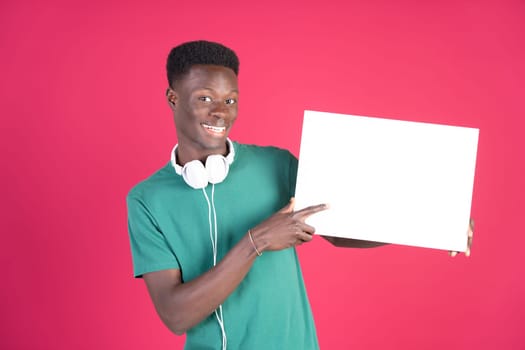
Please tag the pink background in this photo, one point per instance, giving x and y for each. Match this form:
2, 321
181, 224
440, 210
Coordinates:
84, 118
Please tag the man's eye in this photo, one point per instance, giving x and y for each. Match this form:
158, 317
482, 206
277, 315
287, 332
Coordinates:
205, 98
231, 101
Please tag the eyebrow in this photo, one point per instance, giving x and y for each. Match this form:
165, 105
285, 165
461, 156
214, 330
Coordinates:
210, 89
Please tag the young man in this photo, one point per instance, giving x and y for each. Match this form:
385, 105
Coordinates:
213, 232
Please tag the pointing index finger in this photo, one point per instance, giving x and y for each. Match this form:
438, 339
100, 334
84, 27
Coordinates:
306, 212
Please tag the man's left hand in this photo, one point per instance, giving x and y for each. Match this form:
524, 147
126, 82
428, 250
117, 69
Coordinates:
470, 234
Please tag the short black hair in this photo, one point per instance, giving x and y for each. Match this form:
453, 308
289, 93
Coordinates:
181, 58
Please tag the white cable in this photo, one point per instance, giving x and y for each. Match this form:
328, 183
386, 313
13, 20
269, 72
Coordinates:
214, 222
213, 238
213, 242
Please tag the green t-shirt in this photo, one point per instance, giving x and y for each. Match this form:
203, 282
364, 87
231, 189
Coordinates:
169, 229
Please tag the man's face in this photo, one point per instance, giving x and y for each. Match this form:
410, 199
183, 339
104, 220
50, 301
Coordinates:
204, 105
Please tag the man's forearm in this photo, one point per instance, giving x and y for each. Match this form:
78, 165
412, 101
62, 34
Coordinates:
184, 305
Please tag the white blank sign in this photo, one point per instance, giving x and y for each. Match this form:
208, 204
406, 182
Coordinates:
388, 180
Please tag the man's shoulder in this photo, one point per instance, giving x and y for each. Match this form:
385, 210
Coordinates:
153, 183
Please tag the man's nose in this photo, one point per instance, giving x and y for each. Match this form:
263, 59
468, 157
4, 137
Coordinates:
219, 110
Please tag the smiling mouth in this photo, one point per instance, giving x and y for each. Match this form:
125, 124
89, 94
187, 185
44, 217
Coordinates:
215, 129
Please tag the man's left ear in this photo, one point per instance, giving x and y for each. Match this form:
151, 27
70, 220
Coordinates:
172, 97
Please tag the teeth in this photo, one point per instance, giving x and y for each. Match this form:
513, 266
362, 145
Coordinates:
215, 128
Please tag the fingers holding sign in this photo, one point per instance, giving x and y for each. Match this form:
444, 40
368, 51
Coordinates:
470, 234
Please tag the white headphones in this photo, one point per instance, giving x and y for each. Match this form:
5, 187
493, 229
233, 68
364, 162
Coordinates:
197, 175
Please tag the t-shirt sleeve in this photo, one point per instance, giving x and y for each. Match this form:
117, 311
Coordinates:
149, 249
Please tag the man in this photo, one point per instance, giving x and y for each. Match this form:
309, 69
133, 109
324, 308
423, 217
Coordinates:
213, 232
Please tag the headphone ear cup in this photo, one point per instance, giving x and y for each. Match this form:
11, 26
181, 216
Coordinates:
198, 175
195, 175
217, 168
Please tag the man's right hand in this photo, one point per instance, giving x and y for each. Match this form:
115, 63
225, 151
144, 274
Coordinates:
286, 228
